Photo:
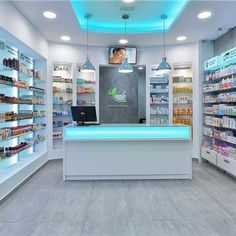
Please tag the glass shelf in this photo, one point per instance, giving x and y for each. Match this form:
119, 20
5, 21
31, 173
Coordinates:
15, 86
29, 104
21, 135
60, 82
209, 114
6, 68
30, 146
220, 90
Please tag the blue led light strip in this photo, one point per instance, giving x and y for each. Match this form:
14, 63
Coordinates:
127, 132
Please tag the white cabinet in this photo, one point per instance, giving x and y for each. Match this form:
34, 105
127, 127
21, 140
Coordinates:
226, 164
209, 155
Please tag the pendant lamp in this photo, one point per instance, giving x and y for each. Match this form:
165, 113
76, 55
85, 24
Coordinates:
164, 66
88, 66
125, 67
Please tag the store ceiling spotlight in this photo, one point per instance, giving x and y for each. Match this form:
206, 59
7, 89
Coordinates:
88, 66
125, 67
128, 1
65, 38
123, 41
49, 14
164, 66
181, 38
204, 15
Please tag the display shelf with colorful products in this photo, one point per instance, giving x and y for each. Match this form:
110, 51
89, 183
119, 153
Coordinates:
159, 88
86, 88
182, 93
22, 106
219, 111
62, 98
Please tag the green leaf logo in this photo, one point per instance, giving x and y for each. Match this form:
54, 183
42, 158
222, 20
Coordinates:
113, 91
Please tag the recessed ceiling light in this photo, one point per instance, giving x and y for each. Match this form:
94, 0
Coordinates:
65, 38
123, 41
181, 38
204, 15
128, 1
50, 14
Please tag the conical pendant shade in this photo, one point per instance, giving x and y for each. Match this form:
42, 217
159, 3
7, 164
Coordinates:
125, 67
88, 66
164, 66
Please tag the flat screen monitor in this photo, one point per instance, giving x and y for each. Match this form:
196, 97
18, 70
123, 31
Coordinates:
118, 54
84, 114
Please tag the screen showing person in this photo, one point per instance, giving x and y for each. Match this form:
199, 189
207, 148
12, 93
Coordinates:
117, 55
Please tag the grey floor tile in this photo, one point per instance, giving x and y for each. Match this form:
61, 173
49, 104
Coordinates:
65, 207
107, 201
16, 229
177, 228
57, 229
112, 227
146, 227
197, 203
22, 208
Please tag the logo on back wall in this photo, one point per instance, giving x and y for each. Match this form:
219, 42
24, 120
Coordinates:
118, 97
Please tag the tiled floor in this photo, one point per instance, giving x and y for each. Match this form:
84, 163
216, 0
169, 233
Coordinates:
46, 205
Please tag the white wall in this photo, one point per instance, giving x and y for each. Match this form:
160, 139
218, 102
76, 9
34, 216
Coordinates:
146, 56
16, 24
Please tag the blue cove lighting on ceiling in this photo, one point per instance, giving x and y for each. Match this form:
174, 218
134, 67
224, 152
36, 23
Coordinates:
145, 16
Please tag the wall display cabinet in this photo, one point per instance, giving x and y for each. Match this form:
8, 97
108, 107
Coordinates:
160, 99
182, 93
85, 87
62, 100
219, 112
22, 110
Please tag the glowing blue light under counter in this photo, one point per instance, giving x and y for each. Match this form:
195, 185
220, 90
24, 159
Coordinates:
127, 132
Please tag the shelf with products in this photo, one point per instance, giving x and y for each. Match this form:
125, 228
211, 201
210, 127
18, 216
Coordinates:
224, 85
22, 97
8, 133
86, 88
185, 121
11, 151
182, 93
224, 122
220, 73
219, 111
62, 97
25, 99
159, 97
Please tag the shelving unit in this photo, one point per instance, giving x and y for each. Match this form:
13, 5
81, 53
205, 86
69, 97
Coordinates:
62, 100
22, 113
160, 104
86, 87
219, 112
182, 93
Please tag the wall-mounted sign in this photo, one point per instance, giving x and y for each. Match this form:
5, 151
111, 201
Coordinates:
212, 63
118, 96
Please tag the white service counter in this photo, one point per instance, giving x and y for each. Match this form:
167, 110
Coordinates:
127, 152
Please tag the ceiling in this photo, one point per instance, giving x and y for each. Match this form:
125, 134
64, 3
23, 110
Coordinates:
188, 24
143, 16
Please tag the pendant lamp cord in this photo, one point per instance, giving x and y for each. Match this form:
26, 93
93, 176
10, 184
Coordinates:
125, 33
164, 36
87, 36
